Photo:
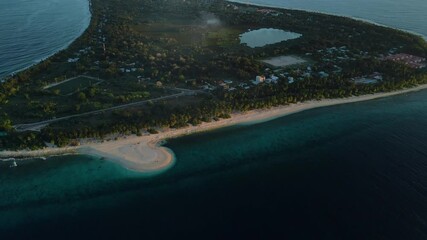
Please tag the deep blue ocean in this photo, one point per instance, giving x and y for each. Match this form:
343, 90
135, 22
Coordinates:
32, 30
354, 171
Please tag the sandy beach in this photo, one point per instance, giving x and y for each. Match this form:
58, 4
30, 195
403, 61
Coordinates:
145, 153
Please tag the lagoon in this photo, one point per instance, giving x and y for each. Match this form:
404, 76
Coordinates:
265, 36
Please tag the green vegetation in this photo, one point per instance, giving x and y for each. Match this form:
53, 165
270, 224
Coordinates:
73, 85
150, 49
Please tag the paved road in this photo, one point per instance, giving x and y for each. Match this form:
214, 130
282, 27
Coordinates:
37, 126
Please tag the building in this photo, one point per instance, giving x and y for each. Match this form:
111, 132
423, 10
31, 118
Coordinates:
371, 79
323, 74
258, 80
72, 60
269, 12
408, 59
272, 79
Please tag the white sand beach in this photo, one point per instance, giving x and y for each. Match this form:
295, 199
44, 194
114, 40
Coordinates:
145, 153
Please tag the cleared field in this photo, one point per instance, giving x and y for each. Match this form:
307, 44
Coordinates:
201, 32
284, 61
365, 80
72, 85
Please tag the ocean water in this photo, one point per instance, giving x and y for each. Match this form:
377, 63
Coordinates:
32, 30
409, 15
355, 171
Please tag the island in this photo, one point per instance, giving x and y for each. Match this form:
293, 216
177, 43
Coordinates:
145, 71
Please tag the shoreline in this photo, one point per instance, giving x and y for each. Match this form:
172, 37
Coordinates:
146, 154
53, 53
5, 77
332, 14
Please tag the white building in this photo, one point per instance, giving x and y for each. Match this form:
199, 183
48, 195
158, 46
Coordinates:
72, 60
272, 79
258, 80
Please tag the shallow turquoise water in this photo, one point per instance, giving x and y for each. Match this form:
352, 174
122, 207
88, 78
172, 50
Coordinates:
355, 171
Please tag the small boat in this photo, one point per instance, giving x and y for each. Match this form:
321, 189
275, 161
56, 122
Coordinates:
13, 164
43, 158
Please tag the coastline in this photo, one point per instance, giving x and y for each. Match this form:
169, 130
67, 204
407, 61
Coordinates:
52, 53
146, 154
332, 14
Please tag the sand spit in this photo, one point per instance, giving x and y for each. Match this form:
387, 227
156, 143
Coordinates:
145, 153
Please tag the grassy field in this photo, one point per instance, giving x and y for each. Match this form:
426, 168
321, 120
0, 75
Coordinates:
199, 31
72, 85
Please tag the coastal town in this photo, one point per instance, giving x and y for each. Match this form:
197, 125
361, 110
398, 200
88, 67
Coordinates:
294, 68
287, 68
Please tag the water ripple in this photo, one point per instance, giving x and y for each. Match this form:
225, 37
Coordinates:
33, 30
